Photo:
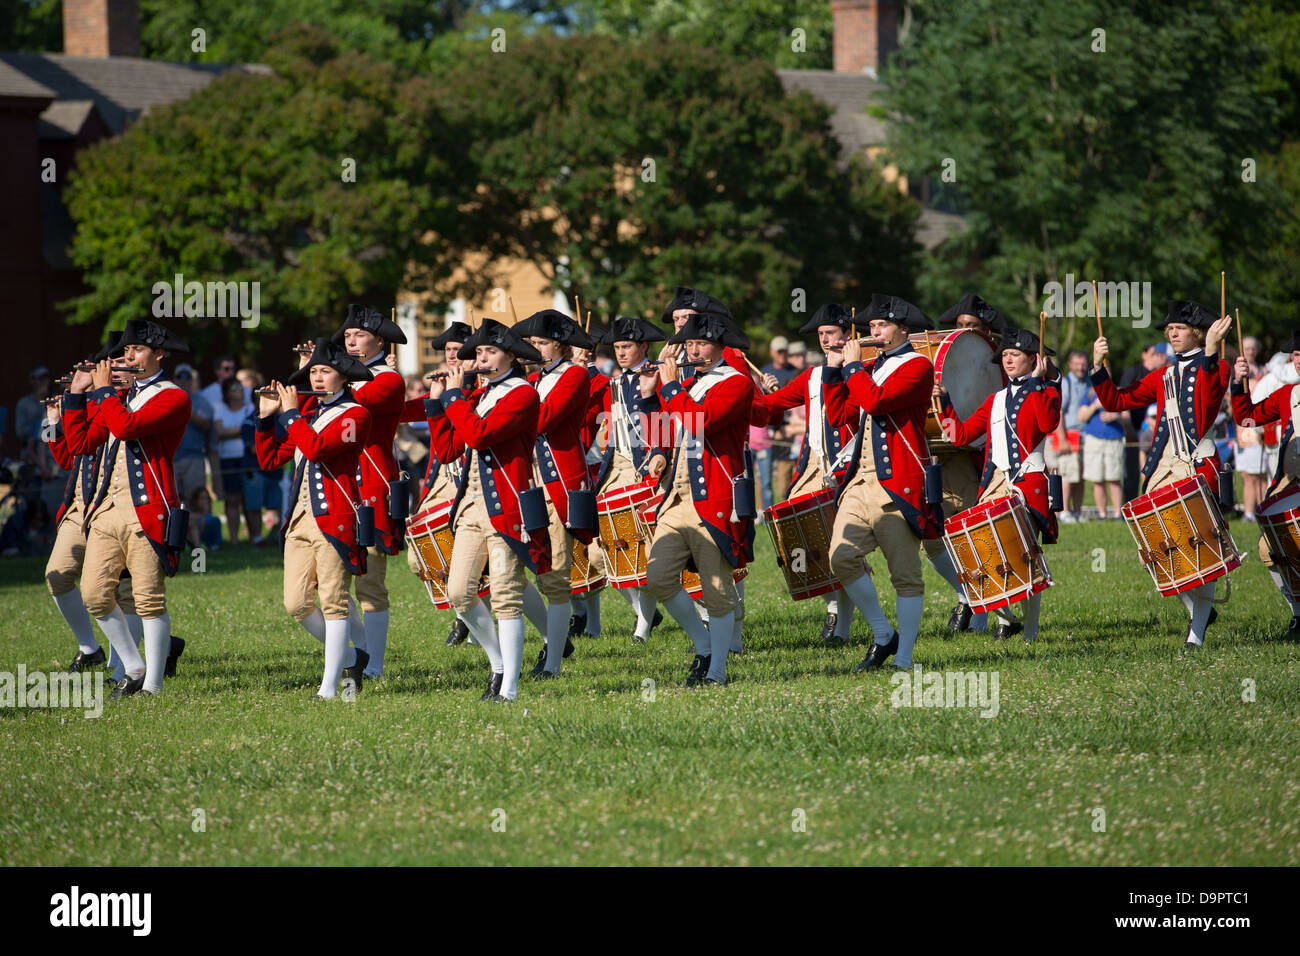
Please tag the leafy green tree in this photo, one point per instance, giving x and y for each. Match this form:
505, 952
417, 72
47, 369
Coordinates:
623, 169
245, 181
33, 26
742, 29
1115, 162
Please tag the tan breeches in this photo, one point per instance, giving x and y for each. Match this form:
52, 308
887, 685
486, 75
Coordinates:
117, 541
478, 544
681, 537
313, 568
868, 519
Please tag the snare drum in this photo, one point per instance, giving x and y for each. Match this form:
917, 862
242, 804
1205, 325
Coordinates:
625, 519
1279, 522
1181, 536
996, 553
801, 533
428, 533
582, 580
691, 581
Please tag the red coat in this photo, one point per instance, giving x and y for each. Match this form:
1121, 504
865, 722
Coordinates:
504, 436
1276, 407
326, 457
1201, 388
719, 422
561, 455
796, 392
1033, 414
151, 426
898, 407
82, 468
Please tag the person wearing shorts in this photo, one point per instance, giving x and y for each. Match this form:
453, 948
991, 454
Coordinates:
1103, 455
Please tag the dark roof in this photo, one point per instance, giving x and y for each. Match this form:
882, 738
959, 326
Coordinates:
16, 83
848, 94
120, 87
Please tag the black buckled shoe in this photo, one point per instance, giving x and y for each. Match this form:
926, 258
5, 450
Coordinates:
828, 627
960, 619
1003, 630
1294, 627
540, 667
577, 625
699, 667
458, 633
568, 648
126, 687
173, 655
879, 653
356, 671
84, 660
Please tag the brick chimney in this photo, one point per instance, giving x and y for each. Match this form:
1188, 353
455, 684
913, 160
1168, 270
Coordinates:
101, 28
865, 32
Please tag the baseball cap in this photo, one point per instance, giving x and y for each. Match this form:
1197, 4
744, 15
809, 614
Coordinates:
40, 371
798, 348
780, 344
1165, 349
183, 370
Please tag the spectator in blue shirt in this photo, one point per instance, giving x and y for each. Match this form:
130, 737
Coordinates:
1103, 454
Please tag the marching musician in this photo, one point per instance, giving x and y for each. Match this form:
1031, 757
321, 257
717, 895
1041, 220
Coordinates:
586, 610
440, 477
824, 456
1281, 405
962, 466
319, 533
133, 520
367, 334
697, 523
68, 554
559, 464
882, 501
631, 420
1187, 395
1015, 423
494, 426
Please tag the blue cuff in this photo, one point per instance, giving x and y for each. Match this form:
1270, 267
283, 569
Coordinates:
945, 400
432, 408
1035, 384
75, 400
669, 391
853, 368
832, 374
266, 424
1237, 388
1210, 363
287, 418
449, 396
100, 394
1099, 376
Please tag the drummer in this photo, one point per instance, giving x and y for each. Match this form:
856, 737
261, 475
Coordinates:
559, 464
1182, 445
1281, 405
1028, 408
633, 426
962, 466
441, 477
586, 609
824, 457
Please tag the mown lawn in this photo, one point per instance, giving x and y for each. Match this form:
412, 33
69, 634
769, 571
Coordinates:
1103, 714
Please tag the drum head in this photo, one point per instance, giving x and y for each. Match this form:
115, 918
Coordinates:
1284, 500
968, 373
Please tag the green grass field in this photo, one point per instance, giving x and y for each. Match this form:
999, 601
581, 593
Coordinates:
1102, 713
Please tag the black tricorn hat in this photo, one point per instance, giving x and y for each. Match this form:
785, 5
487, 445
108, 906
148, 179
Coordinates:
1188, 313
972, 304
504, 337
1292, 344
684, 297
893, 309
1021, 339
369, 320
151, 335
554, 324
112, 347
336, 357
711, 327
832, 313
627, 328
456, 332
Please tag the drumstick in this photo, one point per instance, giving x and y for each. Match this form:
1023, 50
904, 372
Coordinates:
1096, 304
588, 328
577, 308
1042, 328
1241, 349
934, 402
514, 316
1223, 308
757, 372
